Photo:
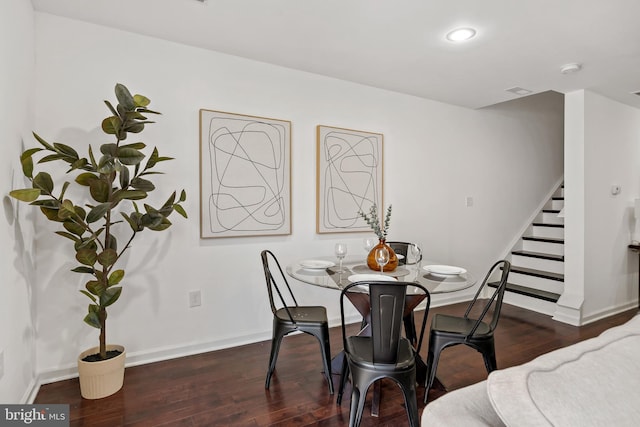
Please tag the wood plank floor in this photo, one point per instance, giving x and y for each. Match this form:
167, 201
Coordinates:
226, 387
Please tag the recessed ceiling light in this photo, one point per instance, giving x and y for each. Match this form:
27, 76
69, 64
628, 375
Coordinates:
570, 68
461, 34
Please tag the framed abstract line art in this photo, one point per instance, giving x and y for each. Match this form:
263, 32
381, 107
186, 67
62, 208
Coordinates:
245, 175
349, 178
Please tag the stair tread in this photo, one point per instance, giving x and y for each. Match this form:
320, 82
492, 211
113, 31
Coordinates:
531, 292
538, 273
543, 239
551, 211
547, 224
557, 198
541, 255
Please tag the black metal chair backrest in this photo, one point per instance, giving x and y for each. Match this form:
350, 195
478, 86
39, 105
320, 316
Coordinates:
402, 248
272, 284
387, 312
495, 300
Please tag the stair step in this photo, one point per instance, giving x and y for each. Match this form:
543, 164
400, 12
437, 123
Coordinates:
544, 239
557, 198
542, 255
547, 224
554, 211
538, 273
530, 292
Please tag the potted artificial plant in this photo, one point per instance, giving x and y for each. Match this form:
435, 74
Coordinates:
110, 182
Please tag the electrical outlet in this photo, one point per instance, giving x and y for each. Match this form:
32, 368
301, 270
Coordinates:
1, 363
195, 298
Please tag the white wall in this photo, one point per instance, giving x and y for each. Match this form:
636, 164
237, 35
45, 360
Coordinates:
17, 337
612, 157
604, 151
506, 157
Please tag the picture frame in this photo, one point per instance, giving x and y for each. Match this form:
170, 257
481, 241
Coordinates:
245, 175
349, 178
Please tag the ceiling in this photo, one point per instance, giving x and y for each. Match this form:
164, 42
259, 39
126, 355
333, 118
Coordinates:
399, 45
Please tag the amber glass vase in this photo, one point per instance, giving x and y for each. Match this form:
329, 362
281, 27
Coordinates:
373, 264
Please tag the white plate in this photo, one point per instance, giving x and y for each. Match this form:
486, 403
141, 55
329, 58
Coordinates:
444, 270
371, 278
316, 264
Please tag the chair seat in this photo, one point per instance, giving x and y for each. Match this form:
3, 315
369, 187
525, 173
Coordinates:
303, 315
443, 324
360, 351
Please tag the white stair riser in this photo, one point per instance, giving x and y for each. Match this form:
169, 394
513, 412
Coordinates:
538, 263
536, 282
544, 247
556, 204
533, 304
551, 218
550, 232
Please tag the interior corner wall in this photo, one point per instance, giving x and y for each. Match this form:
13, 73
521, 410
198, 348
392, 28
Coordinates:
611, 158
435, 155
17, 336
602, 146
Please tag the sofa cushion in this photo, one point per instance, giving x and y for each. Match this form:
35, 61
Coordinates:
465, 407
591, 383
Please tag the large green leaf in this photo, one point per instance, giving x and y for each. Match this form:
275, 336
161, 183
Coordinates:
180, 210
163, 225
111, 125
74, 228
124, 177
87, 257
130, 156
94, 287
135, 145
110, 296
91, 297
107, 165
67, 235
66, 150
85, 178
27, 161
92, 319
107, 257
135, 127
142, 184
51, 214
52, 158
116, 277
67, 210
99, 190
110, 149
141, 101
124, 97
129, 195
97, 212
83, 269
43, 142
44, 182
25, 195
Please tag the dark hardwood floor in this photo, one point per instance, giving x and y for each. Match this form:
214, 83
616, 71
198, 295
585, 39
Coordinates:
226, 387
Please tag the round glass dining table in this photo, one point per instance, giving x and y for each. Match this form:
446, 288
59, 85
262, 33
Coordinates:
324, 272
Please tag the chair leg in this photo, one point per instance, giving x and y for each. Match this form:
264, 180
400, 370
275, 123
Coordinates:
354, 419
326, 358
343, 378
275, 348
489, 356
432, 366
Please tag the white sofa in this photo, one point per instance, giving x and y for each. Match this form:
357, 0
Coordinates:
591, 383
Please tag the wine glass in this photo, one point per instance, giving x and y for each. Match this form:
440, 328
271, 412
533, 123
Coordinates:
416, 254
382, 257
369, 243
341, 252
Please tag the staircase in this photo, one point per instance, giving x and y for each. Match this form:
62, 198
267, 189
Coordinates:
536, 280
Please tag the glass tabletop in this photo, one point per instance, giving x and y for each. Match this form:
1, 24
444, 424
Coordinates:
315, 274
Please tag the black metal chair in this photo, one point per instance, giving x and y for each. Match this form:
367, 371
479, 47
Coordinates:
385, 353
402, 248
447, 331
289, 317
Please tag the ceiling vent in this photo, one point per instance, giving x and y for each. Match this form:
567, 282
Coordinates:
519, 90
